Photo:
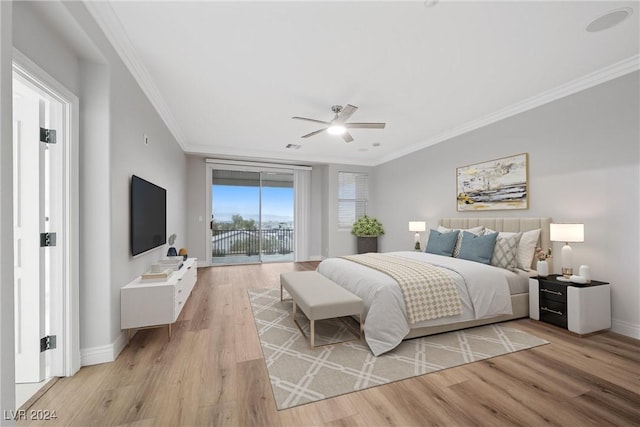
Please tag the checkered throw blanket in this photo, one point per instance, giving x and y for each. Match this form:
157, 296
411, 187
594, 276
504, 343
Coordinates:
428, 292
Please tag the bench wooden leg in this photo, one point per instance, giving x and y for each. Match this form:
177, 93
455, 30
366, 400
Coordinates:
313, 334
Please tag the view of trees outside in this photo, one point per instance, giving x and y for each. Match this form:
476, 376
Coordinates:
236, 229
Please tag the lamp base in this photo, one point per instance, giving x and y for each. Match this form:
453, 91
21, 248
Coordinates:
567, 272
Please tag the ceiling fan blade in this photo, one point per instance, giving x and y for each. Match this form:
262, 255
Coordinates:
365, 125
310, 120
347, 137
346, 112
313, 133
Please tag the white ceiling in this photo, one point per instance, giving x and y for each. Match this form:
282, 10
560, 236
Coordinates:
228, 76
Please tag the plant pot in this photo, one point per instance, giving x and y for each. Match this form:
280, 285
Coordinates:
367, 244
542, 267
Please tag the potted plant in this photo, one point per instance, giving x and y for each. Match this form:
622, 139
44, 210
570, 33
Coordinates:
367, 229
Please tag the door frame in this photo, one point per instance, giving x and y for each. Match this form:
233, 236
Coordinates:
249, 167
36, 76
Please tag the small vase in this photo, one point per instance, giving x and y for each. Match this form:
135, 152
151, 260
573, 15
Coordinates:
542, 268
585, 272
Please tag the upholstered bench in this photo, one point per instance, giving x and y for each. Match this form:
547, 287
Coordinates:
319, 298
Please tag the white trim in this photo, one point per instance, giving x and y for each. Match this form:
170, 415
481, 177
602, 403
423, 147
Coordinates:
108, 21
30, 71
302, 214
105, 353
257, 165
7, 332
625, 328
603, 75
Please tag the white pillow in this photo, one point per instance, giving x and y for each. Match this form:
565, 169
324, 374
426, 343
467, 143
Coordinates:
475, 230
526, 246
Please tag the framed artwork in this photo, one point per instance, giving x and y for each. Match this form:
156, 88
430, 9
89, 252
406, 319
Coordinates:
494, 185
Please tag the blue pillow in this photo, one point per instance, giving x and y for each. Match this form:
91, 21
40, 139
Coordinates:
442, 243
477, 248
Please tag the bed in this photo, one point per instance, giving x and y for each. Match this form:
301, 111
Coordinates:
488, 294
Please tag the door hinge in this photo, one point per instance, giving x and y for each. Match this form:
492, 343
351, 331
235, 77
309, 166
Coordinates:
47, 343
47, 239
47, 136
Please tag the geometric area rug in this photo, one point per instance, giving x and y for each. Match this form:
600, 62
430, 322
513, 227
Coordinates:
301, 375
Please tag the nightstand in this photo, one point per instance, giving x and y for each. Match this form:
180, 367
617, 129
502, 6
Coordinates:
579, 308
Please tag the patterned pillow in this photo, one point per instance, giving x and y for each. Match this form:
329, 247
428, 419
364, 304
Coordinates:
475, 230
526, 246
505, 253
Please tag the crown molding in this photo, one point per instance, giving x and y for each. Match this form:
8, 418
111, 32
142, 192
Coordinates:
256, 155
111, 26
595, 78
108, 21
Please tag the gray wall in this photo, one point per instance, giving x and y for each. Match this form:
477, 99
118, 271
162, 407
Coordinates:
114, 115
583, 167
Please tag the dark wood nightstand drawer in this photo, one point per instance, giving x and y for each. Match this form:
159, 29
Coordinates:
553, 291
553, 312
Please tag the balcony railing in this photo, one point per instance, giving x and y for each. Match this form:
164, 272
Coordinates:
251, 242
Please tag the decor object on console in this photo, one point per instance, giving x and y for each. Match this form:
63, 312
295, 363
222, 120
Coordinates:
585, 272
367, 229
417, 226
172, 251
568, 233
494, 185
542, 266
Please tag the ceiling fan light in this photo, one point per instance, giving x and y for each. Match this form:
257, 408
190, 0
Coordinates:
336, 130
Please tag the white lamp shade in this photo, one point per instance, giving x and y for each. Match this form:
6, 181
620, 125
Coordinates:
567, 232
417, 225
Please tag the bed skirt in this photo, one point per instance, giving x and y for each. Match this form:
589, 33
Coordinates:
519, 304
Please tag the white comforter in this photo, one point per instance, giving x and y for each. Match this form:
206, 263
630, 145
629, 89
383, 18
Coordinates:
484, 292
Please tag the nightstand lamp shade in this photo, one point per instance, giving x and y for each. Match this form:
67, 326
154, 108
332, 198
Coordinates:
417, 226
567, 233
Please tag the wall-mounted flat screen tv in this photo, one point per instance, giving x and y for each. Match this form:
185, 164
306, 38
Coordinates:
148, 216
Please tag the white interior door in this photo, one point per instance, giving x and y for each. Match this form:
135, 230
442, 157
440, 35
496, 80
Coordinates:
37, 216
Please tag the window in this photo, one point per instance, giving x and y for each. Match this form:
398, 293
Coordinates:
353, 195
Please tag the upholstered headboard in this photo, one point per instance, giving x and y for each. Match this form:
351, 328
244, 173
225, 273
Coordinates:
506, 224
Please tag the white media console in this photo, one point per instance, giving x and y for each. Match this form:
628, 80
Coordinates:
152, 304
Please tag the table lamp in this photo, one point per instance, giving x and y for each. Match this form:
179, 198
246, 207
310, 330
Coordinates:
417, 226
567, 233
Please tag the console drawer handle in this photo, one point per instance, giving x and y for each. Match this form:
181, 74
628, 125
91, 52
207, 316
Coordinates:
559, 313
550, 291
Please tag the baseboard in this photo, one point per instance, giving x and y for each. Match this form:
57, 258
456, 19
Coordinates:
625, 328
103, 354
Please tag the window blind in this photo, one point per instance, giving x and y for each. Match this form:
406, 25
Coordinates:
353, 195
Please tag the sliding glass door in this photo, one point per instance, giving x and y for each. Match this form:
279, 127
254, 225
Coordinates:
252, 217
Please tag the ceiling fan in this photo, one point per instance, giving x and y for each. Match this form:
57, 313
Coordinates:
339, 125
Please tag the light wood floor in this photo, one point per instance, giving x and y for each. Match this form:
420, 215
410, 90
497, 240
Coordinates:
212, 373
